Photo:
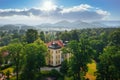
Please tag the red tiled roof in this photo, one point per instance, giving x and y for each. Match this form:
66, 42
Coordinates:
4, 54
59, 42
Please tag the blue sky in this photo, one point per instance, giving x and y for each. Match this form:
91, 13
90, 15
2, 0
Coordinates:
37, 10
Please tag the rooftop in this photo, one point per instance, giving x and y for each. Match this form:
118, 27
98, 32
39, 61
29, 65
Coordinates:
55, 44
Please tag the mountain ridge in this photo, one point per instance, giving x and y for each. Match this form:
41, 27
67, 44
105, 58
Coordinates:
63, 24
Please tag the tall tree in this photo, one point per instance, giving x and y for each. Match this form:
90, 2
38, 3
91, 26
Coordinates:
98, 46
1, 59
65, 36
35, 59
31, 35
42, 52
42, 36
74, 35
3, 51
64, 67
15, 53
115, 38
109, 66
4, 58
81, 56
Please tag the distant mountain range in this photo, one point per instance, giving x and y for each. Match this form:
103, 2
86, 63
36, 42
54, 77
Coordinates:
63, 24
15, 27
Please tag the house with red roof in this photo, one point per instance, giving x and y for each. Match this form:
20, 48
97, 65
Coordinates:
55, 56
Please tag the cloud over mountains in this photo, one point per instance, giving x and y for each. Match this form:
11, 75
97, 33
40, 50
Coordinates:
81, 12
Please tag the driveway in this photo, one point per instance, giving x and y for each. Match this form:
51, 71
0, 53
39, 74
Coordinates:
50, 68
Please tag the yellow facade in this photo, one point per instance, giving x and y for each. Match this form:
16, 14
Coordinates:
55, 57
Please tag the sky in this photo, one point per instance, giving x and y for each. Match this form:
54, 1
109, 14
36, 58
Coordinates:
51, 11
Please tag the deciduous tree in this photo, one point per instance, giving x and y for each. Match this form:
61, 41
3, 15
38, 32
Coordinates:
31, 35
81, 56
15, 53
35, 59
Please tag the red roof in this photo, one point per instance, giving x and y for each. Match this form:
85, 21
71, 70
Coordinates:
59, 42
5, 53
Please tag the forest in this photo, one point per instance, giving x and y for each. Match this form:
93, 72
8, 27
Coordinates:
22, 54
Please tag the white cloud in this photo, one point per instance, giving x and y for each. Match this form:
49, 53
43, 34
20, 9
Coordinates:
102, 12
82, 7
30, 20
38, 15
17, 10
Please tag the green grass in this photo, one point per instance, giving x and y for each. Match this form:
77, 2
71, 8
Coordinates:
11, 71
91, 70
45, 72
8, 69
68, 78
13, 78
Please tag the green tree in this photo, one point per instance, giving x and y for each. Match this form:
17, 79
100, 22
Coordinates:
48, 37
74, 35
108, 68
57, 35
81, 56
115, 38
98, 46
1, 59
65, 36
5, 40
64, 67
56, 74
15, 53
31, 35
42, 52
42, 36
8, 75
35, 59
3, 55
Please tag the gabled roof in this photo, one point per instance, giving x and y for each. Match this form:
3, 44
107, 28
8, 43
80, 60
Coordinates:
55, 44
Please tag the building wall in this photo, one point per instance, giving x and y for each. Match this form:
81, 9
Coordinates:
66, 56
55, 57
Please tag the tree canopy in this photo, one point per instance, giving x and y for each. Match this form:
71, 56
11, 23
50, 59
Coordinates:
31, 35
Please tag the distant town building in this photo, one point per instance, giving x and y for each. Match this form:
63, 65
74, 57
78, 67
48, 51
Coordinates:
55, 56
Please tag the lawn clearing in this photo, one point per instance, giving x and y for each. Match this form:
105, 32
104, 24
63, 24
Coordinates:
91, 70
8, 69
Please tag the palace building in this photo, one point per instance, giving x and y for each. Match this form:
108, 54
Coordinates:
55, 56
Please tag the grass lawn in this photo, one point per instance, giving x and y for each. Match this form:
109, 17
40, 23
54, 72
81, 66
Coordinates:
91, 70
45, 72
10, 69
68, 78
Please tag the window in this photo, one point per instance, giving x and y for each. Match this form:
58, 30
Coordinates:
59, 61
56, 62
56, 51
59, 51
48, 50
